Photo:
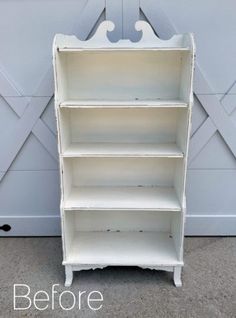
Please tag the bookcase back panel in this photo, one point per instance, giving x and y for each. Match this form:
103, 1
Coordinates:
121, 171
119, 220
122, 74
122, 125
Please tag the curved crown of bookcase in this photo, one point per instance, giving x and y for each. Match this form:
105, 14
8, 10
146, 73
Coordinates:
100, 40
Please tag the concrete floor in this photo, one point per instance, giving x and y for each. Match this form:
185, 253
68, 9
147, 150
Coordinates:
209, 282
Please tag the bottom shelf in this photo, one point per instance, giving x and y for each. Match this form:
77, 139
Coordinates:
122, 248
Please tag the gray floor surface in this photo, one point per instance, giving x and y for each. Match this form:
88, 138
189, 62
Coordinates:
209, 282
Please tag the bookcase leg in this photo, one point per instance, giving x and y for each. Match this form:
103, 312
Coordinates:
177, 276
69, 275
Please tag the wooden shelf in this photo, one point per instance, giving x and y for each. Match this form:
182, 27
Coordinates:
106, 149
123, 198
122, 103
123, 248
107, 49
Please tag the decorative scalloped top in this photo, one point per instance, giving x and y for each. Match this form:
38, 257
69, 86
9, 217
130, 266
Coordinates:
101, 41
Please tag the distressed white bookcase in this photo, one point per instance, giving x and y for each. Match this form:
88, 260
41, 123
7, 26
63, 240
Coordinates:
123, 117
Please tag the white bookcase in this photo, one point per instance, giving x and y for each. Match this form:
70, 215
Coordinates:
123, 116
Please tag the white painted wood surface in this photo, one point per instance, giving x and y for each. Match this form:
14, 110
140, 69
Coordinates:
108, 149
122, 220
118, 168
157, 76
152, 125
123, 248
123, 198
93, 103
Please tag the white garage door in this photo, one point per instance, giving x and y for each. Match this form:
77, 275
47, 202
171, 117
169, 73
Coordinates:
29, 181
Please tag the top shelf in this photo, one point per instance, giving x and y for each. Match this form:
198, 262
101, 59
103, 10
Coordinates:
74, 49
122, 103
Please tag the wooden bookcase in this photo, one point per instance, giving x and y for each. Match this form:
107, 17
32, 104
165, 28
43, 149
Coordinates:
123, 117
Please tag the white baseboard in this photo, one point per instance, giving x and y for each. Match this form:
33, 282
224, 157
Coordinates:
210, 225
32, 225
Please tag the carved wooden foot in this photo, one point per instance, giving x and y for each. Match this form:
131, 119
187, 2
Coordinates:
177, 276
69, 275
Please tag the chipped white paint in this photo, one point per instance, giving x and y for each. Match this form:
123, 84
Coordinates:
123, 113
